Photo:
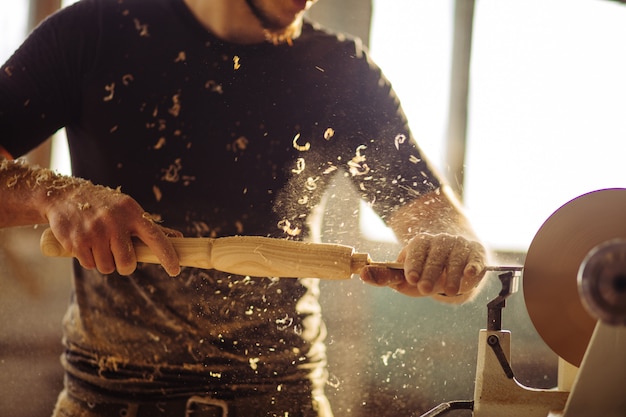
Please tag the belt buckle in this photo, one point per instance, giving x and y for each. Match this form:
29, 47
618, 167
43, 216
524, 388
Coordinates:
198, 406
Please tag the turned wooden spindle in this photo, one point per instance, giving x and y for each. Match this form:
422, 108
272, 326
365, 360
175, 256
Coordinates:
251, 255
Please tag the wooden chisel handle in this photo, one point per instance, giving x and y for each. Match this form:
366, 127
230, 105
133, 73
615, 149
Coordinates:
249, 255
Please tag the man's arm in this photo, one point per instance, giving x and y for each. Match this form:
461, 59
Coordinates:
94, 223
442, 256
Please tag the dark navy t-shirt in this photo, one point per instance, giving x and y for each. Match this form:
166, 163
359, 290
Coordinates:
214, 139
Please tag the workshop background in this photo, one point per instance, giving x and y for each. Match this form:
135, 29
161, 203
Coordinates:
519, 103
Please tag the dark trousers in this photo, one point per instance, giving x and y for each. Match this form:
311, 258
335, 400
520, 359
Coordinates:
276, 404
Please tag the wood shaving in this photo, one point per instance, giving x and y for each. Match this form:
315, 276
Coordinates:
160, 144
357, 165
141, 28
110, 89
214, 87
300, 165
285, 226
311, 183
175, 109
240, 144
127, 78
330, 169
301, 148
12, 181
158, 195
172, 173
399, 139
182, 57
357, 169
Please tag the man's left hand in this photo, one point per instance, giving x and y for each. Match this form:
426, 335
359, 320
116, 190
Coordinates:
440, 265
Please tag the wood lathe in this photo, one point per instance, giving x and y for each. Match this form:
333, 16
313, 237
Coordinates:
574, 282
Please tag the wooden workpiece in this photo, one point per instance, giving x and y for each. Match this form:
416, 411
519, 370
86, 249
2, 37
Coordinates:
250, 255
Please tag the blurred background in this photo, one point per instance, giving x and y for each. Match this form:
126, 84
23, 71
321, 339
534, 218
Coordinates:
518, 103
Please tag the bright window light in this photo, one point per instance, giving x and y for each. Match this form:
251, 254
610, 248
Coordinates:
13, 17
547, 93
411, 41
60, 159
546, 117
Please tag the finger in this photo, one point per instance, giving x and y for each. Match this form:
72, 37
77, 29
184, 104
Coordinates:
124, 255
381, 276
160, 245
456, 265
475, 269
84, 255
385, 277
433, 272
435, 264
476, 260
101, 250
415, 258
78, 248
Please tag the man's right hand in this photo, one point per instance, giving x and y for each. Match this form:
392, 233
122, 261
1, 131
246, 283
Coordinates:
96, 225
93, 223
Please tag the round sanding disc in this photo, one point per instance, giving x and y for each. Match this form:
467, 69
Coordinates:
552, 263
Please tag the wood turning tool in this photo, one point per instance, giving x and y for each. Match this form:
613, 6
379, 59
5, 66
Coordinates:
258, 256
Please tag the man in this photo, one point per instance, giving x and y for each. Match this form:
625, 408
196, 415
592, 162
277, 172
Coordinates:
209, 118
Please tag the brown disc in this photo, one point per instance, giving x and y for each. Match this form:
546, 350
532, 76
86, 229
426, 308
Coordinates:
552, 263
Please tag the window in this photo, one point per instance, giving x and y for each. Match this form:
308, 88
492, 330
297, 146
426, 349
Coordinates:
60, 151
411, 41
546, 120
546, 111
13, 23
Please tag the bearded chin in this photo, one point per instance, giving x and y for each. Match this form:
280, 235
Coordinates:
284, 35
275, 32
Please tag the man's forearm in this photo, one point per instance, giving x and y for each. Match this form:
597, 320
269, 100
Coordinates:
92, 222
442, 256
26, 191
434, 213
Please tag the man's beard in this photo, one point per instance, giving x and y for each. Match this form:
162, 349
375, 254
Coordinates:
275, 32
